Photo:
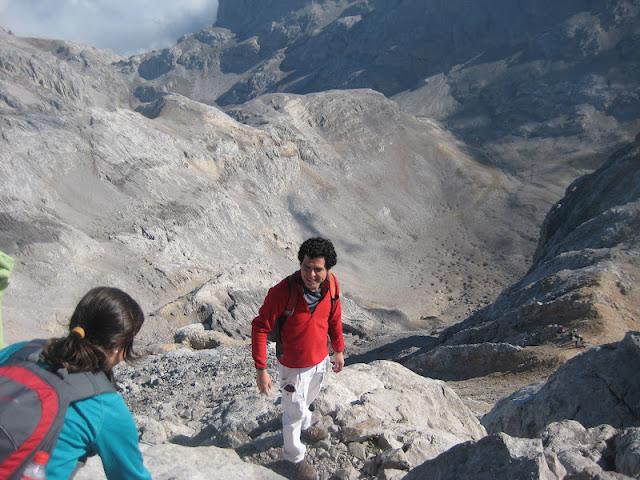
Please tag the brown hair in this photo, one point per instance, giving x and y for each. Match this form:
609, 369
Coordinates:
110, 319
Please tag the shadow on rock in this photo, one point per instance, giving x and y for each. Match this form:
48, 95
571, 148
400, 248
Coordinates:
399, 350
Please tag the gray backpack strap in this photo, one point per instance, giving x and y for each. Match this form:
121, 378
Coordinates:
79, 386
30, 352
72, 386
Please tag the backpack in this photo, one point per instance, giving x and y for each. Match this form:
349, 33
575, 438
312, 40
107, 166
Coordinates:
33, 403
275, 335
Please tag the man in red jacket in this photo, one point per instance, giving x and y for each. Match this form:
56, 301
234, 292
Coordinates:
312, 316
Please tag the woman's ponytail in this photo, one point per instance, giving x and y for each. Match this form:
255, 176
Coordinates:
75, 354
106, 319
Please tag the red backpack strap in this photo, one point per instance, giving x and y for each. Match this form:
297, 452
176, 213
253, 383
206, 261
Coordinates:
276, 334
333, 292
293, 298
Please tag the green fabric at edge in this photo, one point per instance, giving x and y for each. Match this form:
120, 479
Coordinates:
6, 265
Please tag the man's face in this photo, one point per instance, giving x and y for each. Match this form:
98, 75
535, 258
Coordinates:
313, 272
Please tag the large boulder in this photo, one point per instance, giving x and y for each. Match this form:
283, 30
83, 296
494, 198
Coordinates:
566, 450
495, 456
395, 416
600, 452
598, 387
628, 452
368, 401
175, 462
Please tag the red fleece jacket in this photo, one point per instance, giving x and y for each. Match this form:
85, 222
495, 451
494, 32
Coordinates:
304, 334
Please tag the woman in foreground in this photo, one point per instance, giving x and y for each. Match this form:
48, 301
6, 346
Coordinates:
101, 332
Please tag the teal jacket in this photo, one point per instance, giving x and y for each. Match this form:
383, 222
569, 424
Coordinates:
101, 425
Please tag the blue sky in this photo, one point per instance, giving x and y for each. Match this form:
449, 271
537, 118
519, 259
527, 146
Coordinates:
124, 26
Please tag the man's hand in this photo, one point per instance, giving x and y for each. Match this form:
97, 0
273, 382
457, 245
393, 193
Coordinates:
338, 361
263, 380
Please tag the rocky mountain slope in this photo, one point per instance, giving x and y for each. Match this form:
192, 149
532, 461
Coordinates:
581, 289
125, 171
384, 421
593, 388
540, 93
51, 76
541, 89
526, 120
408, 181
196, 211
380, 416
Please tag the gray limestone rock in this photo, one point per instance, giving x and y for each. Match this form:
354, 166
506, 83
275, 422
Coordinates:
162, 206
191, 173
156, 65
391, 474
373, 412
494, 456
566, 450
598, 387
175, 462
600, 452
627, 444
198, 337
394, 459
151, 431
579, 449
121, 171
241, 57
580, 289
473, 360
56, 77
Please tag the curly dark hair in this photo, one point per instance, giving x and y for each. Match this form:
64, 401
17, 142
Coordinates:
318, 247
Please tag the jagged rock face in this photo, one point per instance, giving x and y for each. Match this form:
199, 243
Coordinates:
202, 66
585, 272
278, 25
495, 456
54, 77
525, 82
420, 39
598, 452
247, 16
566, 450
598, 387
627, 460
380, 416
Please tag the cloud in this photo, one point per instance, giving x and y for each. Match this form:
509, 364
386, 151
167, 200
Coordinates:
124, 26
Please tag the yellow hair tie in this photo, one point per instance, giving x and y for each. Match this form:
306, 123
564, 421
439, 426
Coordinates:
79, 331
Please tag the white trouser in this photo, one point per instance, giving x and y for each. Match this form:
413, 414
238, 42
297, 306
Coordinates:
299, 387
